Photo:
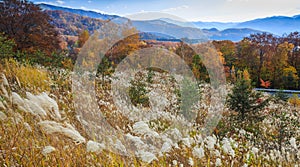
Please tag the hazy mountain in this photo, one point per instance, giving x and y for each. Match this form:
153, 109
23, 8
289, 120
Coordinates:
180, 23
161, 29
217, 25
156, 36
233, 34
277, 24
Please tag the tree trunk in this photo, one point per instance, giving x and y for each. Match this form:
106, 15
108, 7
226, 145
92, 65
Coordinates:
261, 54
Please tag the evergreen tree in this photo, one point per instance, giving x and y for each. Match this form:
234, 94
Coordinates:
243, 99
104, 68
138, 92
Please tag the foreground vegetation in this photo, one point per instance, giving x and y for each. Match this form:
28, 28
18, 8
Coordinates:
267, 137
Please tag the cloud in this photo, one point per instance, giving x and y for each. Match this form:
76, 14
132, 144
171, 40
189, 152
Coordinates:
237, 0
90, 1
60, 2
95, 10
175, 8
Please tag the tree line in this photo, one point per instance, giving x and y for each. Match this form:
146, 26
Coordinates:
272, 61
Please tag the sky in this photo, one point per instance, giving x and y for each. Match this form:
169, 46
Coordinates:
189, 10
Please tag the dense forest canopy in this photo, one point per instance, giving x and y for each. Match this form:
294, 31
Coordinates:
40, 33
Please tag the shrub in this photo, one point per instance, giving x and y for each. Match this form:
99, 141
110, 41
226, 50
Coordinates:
39, 57
6, 47
294, 100
281, 96
150, 75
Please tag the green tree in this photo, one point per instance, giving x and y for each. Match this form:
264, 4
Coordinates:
138, 92
243, 99
6, 47
290, 78
188, 97
104, 68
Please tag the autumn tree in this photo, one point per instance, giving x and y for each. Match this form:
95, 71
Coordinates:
193, 60
246, 58
228, 50
185, 52
83, 37
129, 43
294, 54
198, 68
265, 44
279, 62
28, 26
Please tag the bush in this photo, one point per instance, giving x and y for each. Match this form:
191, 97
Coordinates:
6, 47
294, 100
39, 57
281, 96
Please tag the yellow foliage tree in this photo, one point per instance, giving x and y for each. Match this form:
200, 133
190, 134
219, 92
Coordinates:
290, 78
294, 100
83, 37
246, 75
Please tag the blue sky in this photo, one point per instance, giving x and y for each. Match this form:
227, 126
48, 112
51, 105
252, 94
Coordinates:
191, 10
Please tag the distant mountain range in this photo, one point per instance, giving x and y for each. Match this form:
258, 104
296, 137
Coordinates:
169, 29
277, 25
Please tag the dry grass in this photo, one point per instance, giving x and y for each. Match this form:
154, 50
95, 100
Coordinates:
29, 78
22, 146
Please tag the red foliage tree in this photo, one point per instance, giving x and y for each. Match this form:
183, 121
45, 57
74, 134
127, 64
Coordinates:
29, 26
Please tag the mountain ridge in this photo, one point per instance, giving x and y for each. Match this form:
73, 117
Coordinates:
171, 28
82, 12
277, 25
